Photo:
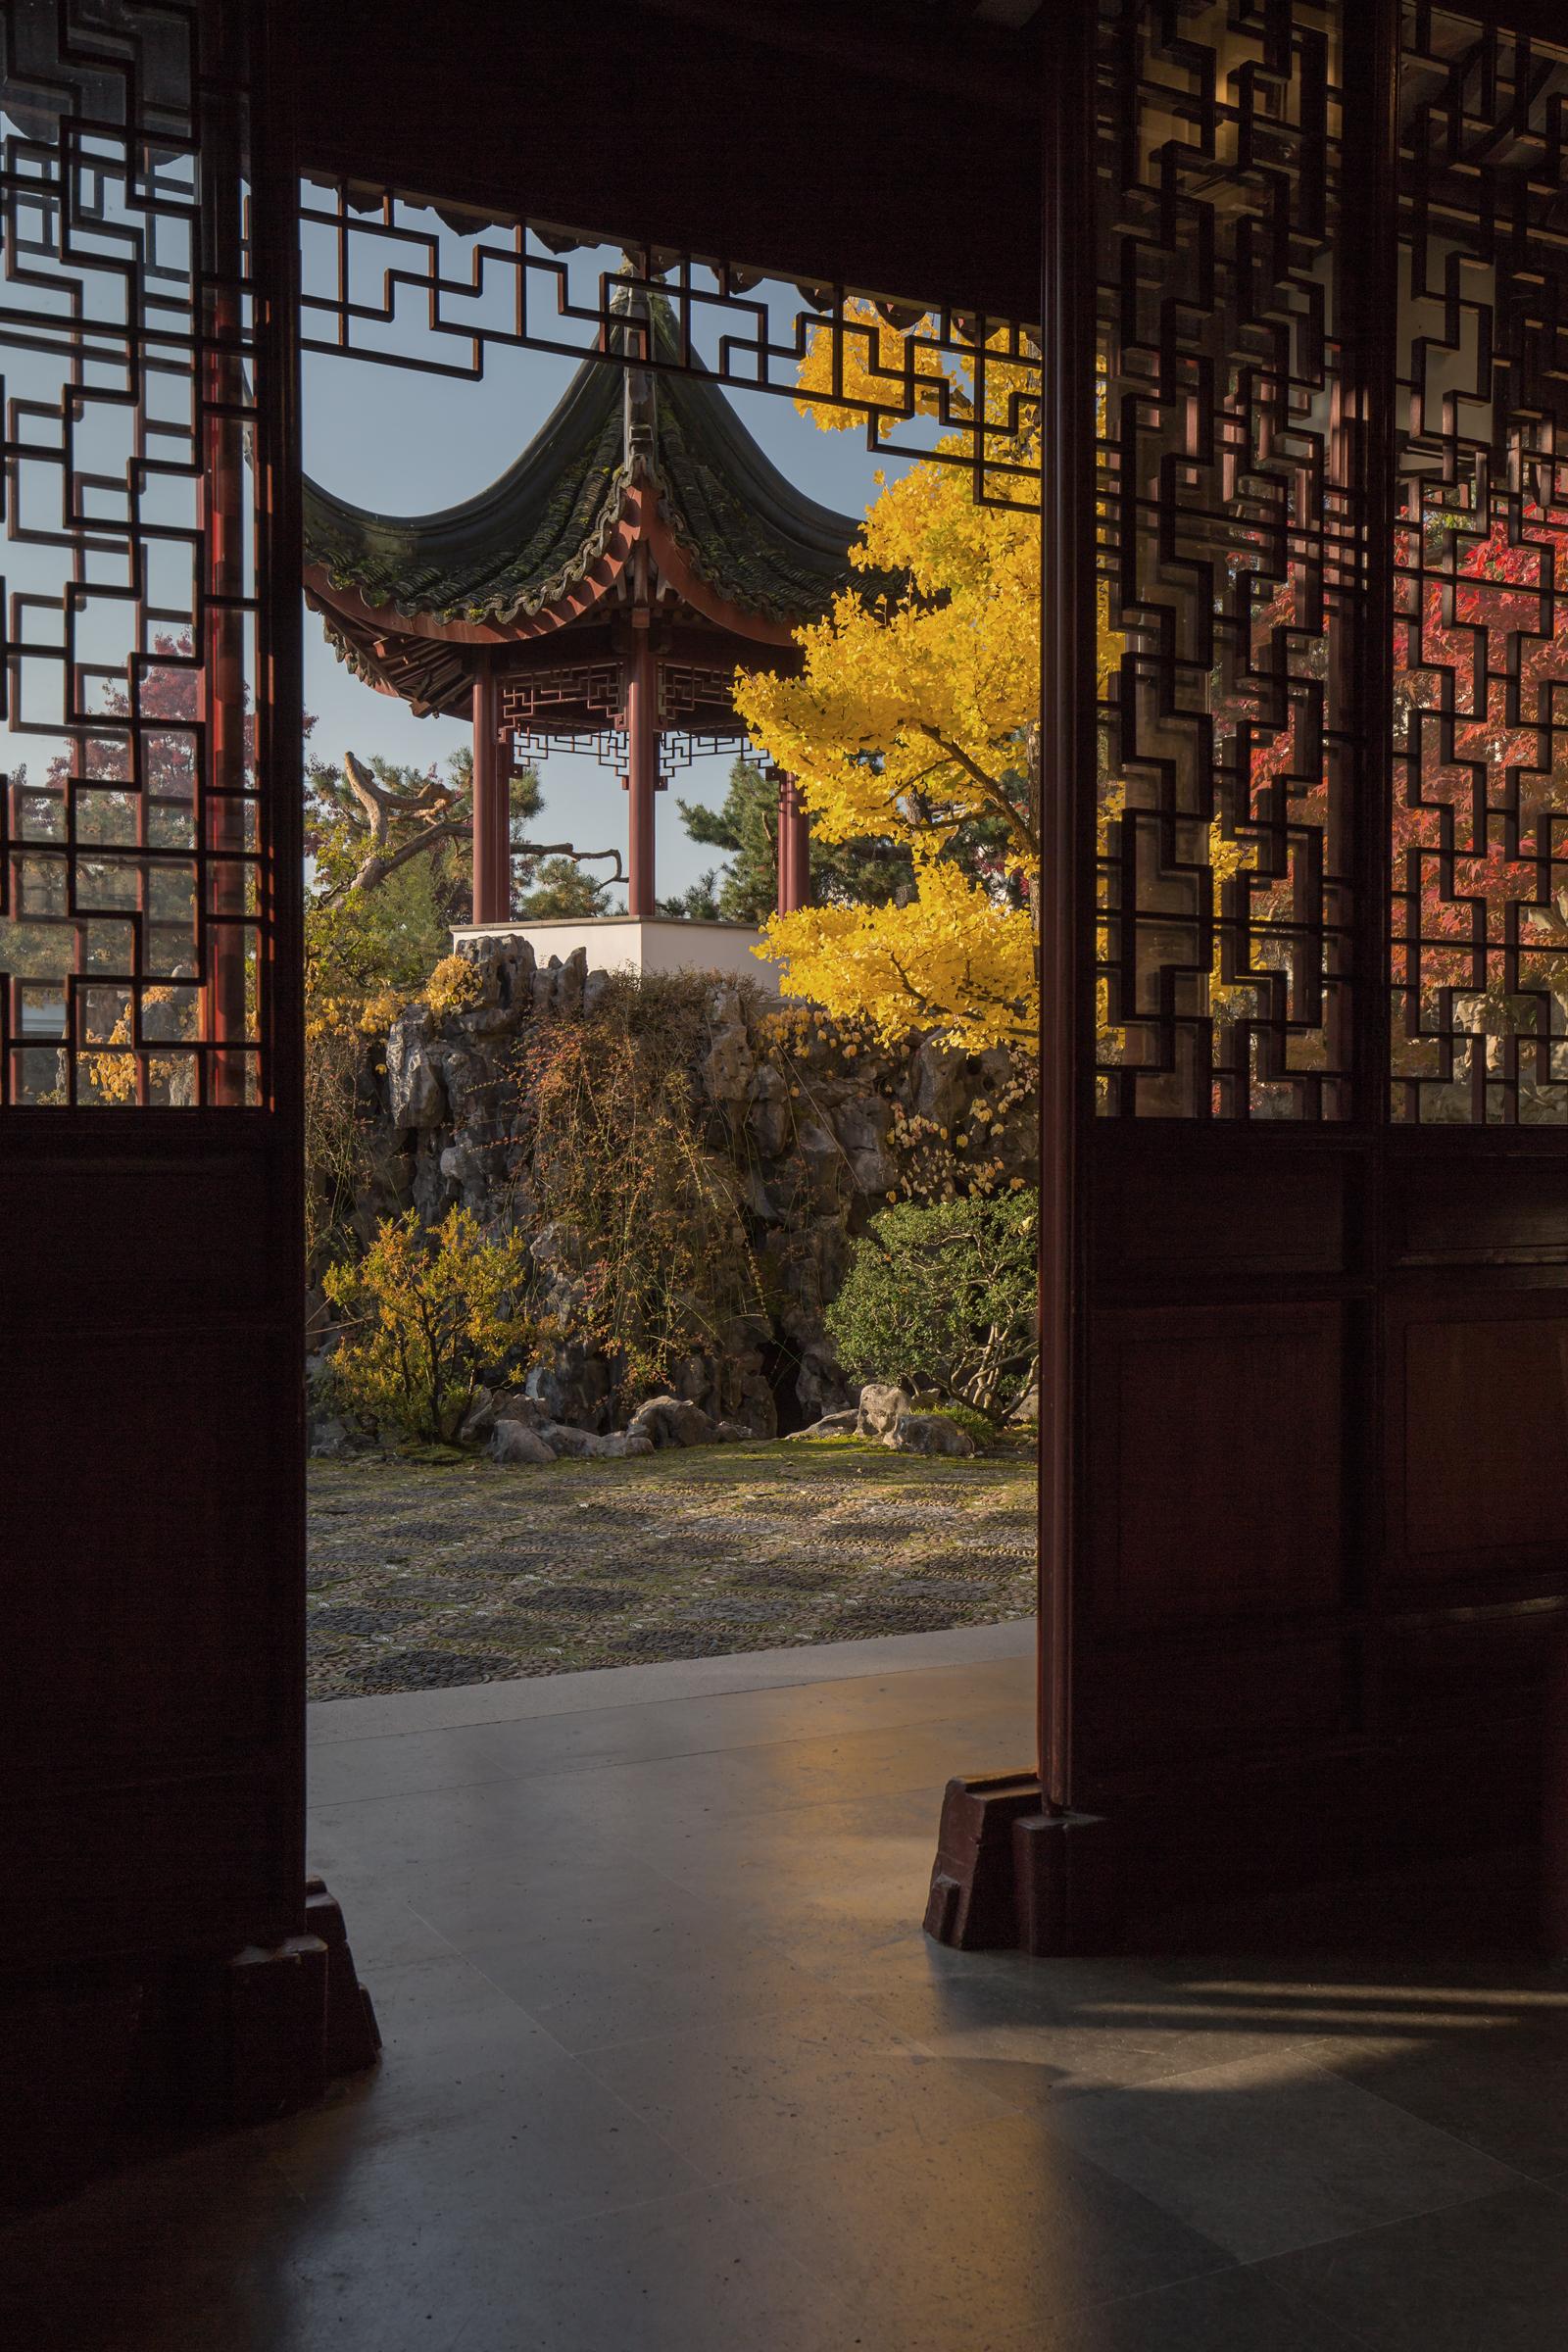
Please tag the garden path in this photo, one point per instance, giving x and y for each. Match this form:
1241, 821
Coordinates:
426, 1575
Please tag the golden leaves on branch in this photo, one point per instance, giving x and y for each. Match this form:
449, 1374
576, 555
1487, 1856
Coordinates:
914, 718
950, 958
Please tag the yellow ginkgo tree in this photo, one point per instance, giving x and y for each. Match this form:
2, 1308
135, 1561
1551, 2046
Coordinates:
914, 718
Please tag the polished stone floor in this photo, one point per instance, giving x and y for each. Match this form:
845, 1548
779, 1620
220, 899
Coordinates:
671, 2069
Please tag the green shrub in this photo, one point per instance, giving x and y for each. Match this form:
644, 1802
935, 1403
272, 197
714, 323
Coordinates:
430, 1314
979, 1426
944, 1295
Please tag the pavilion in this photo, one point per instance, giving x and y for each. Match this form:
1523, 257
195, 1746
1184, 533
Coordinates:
601, 593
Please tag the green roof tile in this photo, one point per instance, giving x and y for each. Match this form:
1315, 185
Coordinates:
519, 544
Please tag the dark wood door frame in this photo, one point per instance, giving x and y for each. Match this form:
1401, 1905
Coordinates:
1283, 1350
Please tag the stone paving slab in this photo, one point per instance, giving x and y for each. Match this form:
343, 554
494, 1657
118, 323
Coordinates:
433, 1576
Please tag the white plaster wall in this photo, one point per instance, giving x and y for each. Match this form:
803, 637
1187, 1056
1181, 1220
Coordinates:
619, 943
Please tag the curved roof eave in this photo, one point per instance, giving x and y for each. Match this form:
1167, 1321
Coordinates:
521, 543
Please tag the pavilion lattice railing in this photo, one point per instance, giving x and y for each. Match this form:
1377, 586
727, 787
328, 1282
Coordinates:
529, 701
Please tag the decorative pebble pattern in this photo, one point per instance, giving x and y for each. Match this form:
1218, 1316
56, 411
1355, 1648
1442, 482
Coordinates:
423, 1575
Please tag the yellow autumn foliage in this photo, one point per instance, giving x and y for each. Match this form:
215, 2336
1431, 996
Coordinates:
119, 1077
909, 719
952, 958
429, 1316
454, 985
916, 716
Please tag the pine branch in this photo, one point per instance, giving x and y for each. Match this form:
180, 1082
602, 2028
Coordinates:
565, 848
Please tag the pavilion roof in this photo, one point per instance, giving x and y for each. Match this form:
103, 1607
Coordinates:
521, 544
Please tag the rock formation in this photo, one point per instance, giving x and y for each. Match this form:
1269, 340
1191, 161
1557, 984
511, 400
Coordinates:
822, 1126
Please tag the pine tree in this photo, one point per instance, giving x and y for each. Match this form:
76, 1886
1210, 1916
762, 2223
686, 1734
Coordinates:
843, 873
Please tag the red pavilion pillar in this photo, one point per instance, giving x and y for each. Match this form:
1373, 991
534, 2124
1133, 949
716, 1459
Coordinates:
642, 777
793, 848
492, 804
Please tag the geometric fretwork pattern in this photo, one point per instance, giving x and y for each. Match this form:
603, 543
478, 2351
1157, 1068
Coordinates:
1230, 555
534, 696
1480, 818
440, 289
543, 711
131, 919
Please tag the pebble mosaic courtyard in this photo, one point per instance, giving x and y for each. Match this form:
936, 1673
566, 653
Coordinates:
425, 1575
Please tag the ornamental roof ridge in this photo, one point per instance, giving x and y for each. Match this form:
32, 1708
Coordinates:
541, 527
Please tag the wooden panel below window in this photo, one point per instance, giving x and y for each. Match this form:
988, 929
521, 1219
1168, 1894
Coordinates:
1173, 1204
1217, 1473
151, 1549
1478, 1426
1467, 1668
1137, 1707
1444, 1211
141, 1235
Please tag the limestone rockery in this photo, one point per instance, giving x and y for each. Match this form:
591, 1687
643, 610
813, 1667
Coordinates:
823, 1127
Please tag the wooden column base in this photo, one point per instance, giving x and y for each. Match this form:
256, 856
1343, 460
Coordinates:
255, 2033
353, 2036
1011, 1877
262, 2036
86, 2059
1364, 1849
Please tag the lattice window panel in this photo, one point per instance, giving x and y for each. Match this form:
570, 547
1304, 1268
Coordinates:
1229, 536
132, 931
683, 686
381, 282
1480, 817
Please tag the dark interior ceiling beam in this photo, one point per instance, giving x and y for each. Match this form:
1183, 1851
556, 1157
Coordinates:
559, 129
966, 47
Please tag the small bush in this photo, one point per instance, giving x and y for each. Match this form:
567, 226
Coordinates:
944, 1295
432, 1315
979, 1426
452, 986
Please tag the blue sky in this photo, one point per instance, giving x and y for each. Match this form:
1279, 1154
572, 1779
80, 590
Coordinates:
400, 441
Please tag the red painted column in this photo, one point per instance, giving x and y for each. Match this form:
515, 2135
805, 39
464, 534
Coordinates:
793, 848
784, 853
501, 812
799, 849
642, 777
492, 805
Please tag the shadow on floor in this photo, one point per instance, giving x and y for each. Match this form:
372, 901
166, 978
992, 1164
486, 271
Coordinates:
668, 2070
